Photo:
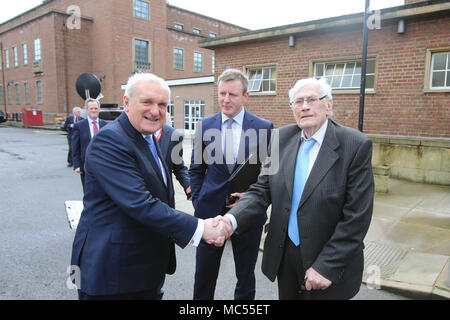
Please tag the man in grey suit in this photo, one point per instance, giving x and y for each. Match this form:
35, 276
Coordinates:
322, 201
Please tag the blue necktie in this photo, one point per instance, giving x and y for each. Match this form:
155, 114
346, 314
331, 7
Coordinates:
152, 147
301, 173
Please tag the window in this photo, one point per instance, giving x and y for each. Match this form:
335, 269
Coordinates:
37, 49
141, 56
193, 112
39, 92
6, 59
16, 57
178, 59
198, 62
196, 31
25, 54
178, 26
440, 70
213, 64
262, 79
212, 35
27, 93
1, 95
170, 112
17, 93
8, 93
346, 74
142, 9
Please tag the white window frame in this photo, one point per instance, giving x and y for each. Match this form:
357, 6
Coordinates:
25, 54
15, 56
177, 53
6, 59
446, 71
198, 62
258, 75
37, 49
194, 110
349, 64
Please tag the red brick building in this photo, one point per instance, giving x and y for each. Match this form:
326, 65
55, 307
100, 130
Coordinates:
408, 70
45, 49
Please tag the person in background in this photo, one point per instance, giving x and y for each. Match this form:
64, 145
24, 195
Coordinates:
82, 133
68, 126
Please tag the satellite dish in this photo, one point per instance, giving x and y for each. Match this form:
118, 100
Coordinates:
88, 86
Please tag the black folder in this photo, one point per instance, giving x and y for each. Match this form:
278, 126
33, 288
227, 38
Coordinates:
245, 174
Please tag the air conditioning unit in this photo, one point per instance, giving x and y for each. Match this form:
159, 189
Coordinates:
37, 66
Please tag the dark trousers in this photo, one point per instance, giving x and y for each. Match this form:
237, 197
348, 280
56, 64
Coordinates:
69, 153
82, 180
245, 252
291, 273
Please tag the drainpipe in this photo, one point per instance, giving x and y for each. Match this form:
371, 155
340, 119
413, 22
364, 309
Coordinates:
3, 80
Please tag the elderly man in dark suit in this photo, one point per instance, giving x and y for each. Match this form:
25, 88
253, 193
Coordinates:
124, 243
322, 201
82, 133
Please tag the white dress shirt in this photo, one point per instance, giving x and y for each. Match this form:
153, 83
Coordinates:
91, 126
236, 127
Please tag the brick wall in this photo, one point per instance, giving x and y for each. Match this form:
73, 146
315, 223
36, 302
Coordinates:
399, 105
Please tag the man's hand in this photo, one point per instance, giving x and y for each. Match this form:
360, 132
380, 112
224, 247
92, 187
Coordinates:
77, 170
217, 231
315, 281
238, 196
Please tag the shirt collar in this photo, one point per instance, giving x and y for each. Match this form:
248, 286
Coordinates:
319, 135
239, 118
92, 120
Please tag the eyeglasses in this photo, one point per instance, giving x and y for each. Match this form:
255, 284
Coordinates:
309, 101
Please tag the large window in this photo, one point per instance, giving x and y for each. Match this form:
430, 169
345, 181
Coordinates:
346, 74
142, 9
6, 59
25, 54
16, 57
16, 86
193, 112
178, 59
262, 79
440, 70
141, 56
38, 92
198, 62
37, 49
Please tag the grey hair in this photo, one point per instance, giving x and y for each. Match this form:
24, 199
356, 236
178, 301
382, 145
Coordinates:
75, 109
138, 77
322, 82
91, 100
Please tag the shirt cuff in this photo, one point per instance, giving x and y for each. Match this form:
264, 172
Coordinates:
233, 221
198, 233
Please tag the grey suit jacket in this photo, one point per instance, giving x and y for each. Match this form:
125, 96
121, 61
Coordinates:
334, 212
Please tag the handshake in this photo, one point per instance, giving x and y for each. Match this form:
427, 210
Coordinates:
217, 230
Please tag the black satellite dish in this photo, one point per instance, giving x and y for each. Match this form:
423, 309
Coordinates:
88, 86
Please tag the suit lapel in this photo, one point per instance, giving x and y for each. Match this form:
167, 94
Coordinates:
324, 162
289, 160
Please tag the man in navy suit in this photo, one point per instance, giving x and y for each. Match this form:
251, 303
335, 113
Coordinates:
170, 143
124, 243
82, 133
68, 126
210, 187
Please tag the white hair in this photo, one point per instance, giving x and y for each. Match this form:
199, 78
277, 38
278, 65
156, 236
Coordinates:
138, 77
322, 82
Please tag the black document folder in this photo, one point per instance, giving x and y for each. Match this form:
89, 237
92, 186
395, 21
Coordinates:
245, 174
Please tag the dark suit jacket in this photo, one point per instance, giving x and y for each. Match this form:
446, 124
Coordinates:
209, 184
171, 140
334, 212
70, 120
81, 136
124, 241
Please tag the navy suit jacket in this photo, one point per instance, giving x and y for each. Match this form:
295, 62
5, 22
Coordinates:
172, 140
209, 184
70, 120
81, 136
125, 238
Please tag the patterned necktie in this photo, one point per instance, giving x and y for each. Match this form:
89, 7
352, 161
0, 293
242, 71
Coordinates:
152, 147
301, 173
95, 126
229, 146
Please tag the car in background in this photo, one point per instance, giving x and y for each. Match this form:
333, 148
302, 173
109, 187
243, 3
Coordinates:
3, 117
110, 112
